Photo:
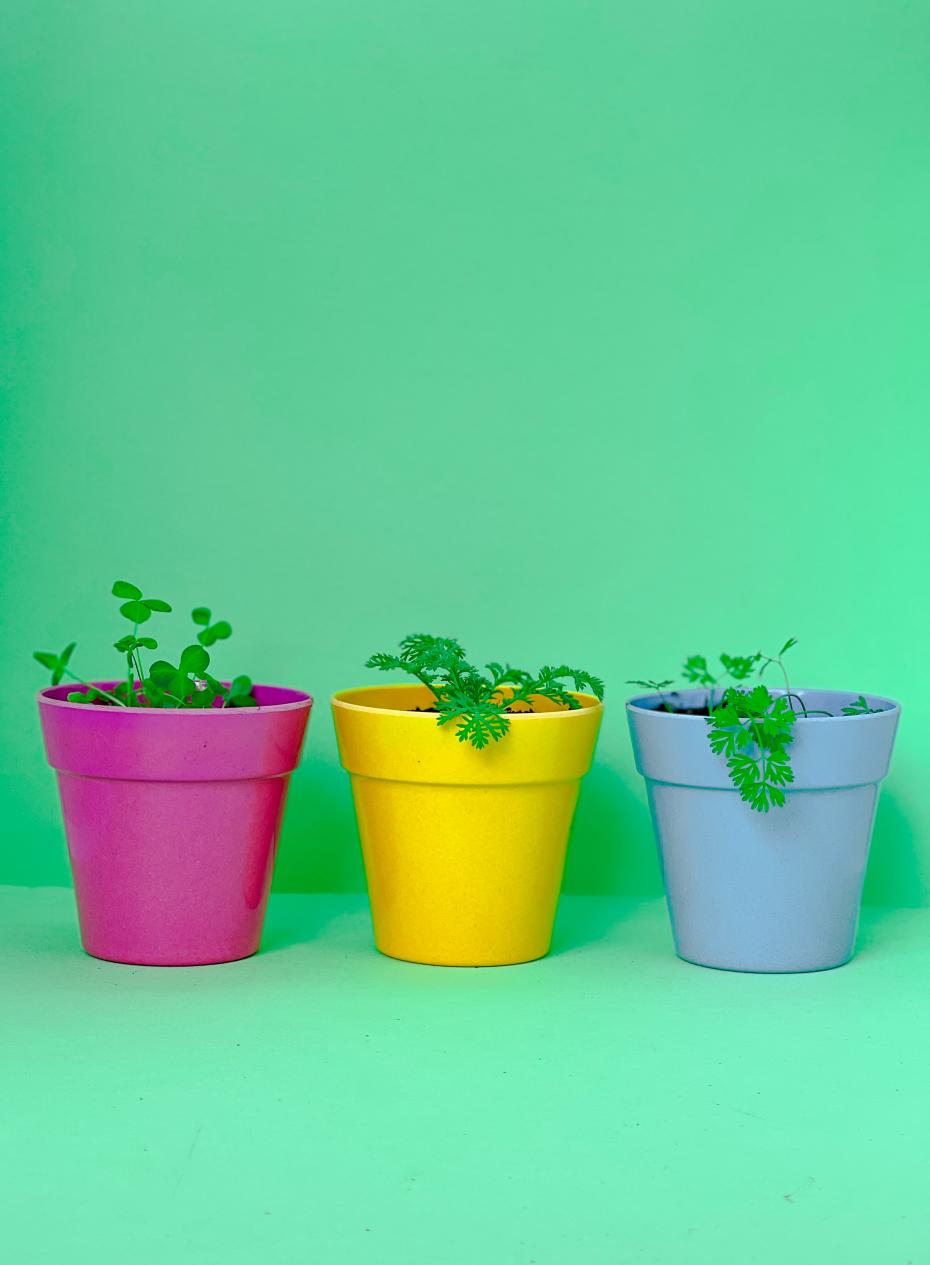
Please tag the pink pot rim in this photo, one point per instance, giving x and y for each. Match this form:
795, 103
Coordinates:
299, 700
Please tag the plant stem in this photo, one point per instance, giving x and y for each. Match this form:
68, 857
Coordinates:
130, 691
516, 696
789, 693
80, 680
424, 680
139, 668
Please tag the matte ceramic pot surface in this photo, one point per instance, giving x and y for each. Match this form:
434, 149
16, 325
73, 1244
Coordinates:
464, 850
172, 820
776, 891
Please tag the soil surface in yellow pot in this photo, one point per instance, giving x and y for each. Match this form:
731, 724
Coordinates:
464, 849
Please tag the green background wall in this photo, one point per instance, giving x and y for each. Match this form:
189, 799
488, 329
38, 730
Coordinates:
582, 330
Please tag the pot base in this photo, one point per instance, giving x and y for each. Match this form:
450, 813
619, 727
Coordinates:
189, 961
766, 970
436, 960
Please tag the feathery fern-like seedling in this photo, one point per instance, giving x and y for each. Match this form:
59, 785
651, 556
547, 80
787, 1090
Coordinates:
481, 703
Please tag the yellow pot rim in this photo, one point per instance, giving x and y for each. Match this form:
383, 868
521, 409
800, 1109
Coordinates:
342, 698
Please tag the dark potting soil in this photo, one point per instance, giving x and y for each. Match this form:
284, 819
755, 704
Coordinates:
684, 711
520, 711
702, 711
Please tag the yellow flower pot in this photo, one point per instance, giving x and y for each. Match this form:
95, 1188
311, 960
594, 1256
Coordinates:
464, 849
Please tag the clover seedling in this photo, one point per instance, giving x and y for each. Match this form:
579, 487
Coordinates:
480, 703
187, 685
752, 727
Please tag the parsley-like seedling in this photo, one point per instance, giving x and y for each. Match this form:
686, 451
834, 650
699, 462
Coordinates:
751, 727
859, 707
481, 703
753, 730
188, 684
657, 687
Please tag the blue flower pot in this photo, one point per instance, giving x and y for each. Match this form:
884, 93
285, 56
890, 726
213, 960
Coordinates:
776, 891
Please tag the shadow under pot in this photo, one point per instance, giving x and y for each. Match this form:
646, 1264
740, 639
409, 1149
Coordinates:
464, 849
776, 891
172, 818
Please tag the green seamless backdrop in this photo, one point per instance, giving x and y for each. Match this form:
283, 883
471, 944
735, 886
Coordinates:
584, 331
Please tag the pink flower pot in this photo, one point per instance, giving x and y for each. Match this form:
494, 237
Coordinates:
172, 819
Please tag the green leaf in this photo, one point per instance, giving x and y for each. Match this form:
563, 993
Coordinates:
122, 588
477, 702
792, 641
47, 659
57, 663
216, 632
200, 615
241, 685
423, 654
243, 700
168, 680
148, 643
757, 701
585, 681
156, 604
481, 727
89, 695
547, 684
739, 667
385, 662
153, 692
860, 707
695, 671
136, 612
194, 660
752, 730
125, 644
161, 671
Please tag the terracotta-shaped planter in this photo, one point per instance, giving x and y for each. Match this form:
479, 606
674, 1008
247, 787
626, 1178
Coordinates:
172, 818
464, 850
776, 891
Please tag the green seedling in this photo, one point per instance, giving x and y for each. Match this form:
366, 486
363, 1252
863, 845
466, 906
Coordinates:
209, 633
480, 704
735, 666
188, 684
859, 707
752, 728
657, 687
696, 671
